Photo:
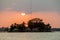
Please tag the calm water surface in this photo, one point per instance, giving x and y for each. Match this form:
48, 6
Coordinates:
30, 36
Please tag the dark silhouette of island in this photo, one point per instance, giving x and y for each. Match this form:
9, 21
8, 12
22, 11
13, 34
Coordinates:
34, 25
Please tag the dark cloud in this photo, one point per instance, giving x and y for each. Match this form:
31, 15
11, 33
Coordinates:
31, 5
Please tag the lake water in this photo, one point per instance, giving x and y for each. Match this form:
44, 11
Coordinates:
30, 36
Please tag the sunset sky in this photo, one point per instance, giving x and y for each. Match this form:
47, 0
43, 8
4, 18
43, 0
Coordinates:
48, 10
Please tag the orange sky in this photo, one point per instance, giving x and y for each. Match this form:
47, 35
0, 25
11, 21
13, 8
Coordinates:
7, 17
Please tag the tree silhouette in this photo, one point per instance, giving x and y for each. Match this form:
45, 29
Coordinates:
34, 25
21, 27
11, 28
48, 27
38, 24
17, 27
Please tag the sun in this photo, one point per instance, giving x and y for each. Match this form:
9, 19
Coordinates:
23, 14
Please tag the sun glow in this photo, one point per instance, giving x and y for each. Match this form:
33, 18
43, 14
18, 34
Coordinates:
23, 14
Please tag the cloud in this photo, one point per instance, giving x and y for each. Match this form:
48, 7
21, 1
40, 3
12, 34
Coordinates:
8, 9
